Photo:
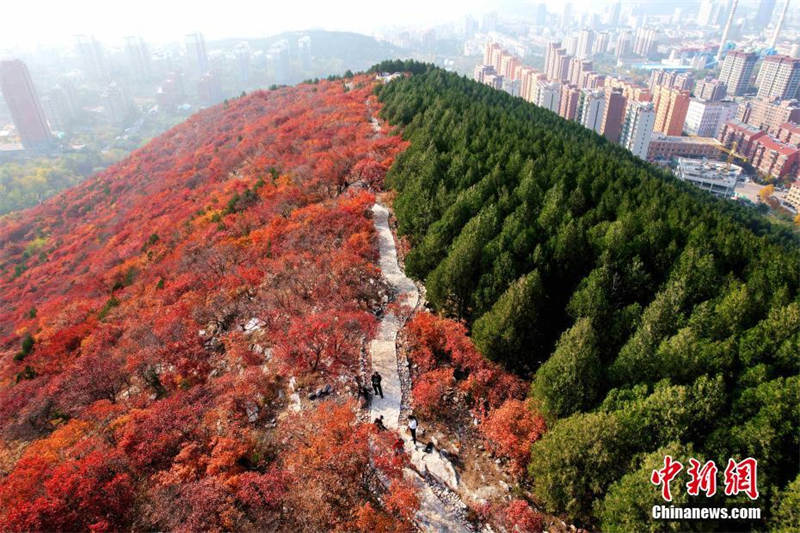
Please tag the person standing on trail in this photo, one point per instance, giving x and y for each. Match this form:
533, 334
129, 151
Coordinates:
376, 384
412, 427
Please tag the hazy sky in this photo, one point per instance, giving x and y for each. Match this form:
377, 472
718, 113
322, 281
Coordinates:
27, 22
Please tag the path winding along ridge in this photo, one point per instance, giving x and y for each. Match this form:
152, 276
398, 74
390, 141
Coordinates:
434, 514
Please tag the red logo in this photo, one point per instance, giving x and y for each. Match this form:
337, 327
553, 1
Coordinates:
665, 475
740, 476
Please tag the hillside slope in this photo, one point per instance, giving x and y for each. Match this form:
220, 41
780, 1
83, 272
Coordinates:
155, 320
652, 318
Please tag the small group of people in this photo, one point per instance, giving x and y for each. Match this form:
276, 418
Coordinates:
413, 424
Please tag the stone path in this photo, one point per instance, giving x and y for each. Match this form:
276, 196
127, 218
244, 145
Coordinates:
434, 514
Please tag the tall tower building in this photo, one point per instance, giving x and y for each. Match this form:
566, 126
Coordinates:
23, 102
196, 52
93, 58
637, 127
671, 106
779, 78
737, 68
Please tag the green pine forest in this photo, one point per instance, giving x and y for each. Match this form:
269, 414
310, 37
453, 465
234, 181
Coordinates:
650, 317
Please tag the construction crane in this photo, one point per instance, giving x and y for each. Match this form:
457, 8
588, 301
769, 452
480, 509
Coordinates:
731, 155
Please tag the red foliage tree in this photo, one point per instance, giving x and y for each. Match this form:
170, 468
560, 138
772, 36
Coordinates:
511, 429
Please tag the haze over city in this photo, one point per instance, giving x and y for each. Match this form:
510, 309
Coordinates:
459, 266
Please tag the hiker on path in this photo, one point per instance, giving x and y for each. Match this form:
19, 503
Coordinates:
376, 384
412, 427
399, 448
379, 423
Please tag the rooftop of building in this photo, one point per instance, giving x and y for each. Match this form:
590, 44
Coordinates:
772, 144
680, 139
741, 126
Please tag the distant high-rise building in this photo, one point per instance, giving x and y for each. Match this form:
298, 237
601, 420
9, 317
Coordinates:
566, 16
779, 78
737, 69
571, 44
671, 78
613, 114
304, 52
93, 58
209, 88
557, 62
671, 106
23, 103
624, 45
705, 118
470, 26
764, 14
585, 43
637, 127
613, 14
541, 14
705, 15
117, 103
60, 106
242, 53
601, 43
489, 22
710, 90
644, 43
196, 53
138, 57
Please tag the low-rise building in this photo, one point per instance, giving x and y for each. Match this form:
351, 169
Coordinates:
672, 146
774, 158
740, 136
713, 176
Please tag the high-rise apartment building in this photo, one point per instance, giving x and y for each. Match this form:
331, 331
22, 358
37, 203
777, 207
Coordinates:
591, 104
637, 127
671, 106
550, 53
779, 78
613, 114
601, 43
196, 53
737, 69
24, 105
568, 105
548, 95
705, 118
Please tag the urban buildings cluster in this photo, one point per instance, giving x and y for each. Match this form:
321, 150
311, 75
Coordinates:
673, 115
